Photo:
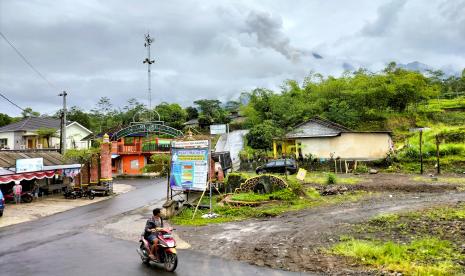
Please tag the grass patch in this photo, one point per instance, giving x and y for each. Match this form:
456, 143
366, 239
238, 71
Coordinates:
425, 256
448, 180
321, 178
231, 213
384, 219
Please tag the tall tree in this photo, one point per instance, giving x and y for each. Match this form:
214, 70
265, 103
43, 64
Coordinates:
5, 119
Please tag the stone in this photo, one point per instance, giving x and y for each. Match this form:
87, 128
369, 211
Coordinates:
373, 171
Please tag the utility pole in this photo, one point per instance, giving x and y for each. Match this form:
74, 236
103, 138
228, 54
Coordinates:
438, 141
149, 61
421, 153
63, 124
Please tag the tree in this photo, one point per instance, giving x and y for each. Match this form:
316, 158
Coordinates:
47, 133
75, 114
211, 109
261, 136
173, 114
192, 113
5, 119
28, 112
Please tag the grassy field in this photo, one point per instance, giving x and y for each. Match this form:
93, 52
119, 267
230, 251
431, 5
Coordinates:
428, 242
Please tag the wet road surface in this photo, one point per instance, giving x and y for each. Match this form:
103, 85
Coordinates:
61, 244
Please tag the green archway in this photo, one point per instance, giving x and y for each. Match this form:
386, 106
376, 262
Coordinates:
148, 127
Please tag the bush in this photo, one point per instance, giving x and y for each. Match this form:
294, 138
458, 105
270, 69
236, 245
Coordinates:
331, 178
160, 164
234, 181
295, 186
361, 169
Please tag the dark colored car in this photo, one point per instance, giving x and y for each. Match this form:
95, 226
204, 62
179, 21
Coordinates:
2, 203
279, 166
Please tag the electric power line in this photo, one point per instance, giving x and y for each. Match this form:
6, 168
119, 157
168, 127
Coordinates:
3, 96
27, 62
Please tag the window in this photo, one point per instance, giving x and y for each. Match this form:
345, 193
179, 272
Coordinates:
3, 143
129, 141
271, 164
280, 163
134, 164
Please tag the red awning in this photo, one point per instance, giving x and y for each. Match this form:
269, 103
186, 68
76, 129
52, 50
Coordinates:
26, 176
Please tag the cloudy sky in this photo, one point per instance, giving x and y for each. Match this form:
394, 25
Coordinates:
211, 49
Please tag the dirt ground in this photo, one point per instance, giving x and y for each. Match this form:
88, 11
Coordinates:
49, 205
295, 241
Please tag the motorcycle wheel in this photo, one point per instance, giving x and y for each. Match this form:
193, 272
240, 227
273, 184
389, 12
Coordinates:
91, 196
171, 262
146, 260
26, 198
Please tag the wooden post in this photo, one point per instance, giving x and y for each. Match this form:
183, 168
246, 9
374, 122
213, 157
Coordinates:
347, 168
437, 154
421, 154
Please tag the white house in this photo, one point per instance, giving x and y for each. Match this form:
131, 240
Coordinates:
31, 133
325, 139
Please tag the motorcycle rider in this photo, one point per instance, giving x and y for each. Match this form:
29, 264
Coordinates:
152, 226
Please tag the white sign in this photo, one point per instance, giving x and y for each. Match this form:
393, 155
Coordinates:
190, 144
29, 165
217, 129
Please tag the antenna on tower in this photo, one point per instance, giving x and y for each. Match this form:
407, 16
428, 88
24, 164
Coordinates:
149, 61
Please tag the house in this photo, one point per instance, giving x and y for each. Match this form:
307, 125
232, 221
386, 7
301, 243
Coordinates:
324, 139
194, 123
42, 132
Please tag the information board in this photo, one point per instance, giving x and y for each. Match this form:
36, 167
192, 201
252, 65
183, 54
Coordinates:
189, 165
29, 165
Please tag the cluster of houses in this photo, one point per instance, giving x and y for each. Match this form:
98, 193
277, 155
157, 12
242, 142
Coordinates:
131, 152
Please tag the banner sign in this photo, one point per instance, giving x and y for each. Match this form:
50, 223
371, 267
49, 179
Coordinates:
29, 165
189, 165
190, 144
217, 129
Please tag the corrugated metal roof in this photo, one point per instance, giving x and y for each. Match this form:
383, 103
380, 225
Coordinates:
51, 158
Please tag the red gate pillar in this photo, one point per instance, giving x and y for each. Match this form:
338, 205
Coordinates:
105, 164
93, 180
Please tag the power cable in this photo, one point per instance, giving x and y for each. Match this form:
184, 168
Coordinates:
27, 62
3, 96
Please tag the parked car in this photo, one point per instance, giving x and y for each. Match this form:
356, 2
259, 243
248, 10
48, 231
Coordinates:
278, 166
2, 203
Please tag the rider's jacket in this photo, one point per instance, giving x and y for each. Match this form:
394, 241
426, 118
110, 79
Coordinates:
151, 223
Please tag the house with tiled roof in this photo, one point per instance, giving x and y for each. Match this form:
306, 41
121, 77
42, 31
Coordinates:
324, 139
41, 132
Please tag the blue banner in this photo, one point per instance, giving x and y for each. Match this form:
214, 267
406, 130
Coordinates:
189, 169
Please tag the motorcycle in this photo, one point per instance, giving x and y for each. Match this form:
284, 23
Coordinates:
26, 197
166, 250
88, 193
73, 194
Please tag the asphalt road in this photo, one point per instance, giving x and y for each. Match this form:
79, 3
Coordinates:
61, 244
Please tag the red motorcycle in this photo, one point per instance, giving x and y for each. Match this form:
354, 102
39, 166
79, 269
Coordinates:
166, 252
26, 197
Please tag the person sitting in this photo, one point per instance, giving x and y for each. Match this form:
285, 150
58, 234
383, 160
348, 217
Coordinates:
153, 225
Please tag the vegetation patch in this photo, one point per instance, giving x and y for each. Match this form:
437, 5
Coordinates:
287, 202
426, 242
424, 256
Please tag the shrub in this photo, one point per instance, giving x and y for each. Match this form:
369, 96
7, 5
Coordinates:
295, 186
233, 181
160, 164
362, 168
331, 178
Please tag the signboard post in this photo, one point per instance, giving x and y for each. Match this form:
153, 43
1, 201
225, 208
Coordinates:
29, 165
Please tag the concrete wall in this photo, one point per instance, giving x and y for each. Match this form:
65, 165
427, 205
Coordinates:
133, 164
360, 146
10, 139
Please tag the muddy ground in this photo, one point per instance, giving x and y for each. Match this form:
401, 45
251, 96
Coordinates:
295, 241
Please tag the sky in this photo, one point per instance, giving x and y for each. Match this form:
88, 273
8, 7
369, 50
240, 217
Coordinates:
210, 49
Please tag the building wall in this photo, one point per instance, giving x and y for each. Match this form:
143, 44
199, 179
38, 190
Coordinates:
360, 146
74, 134
133, 164
10, 136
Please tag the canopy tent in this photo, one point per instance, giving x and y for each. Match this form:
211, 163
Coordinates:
26, 176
